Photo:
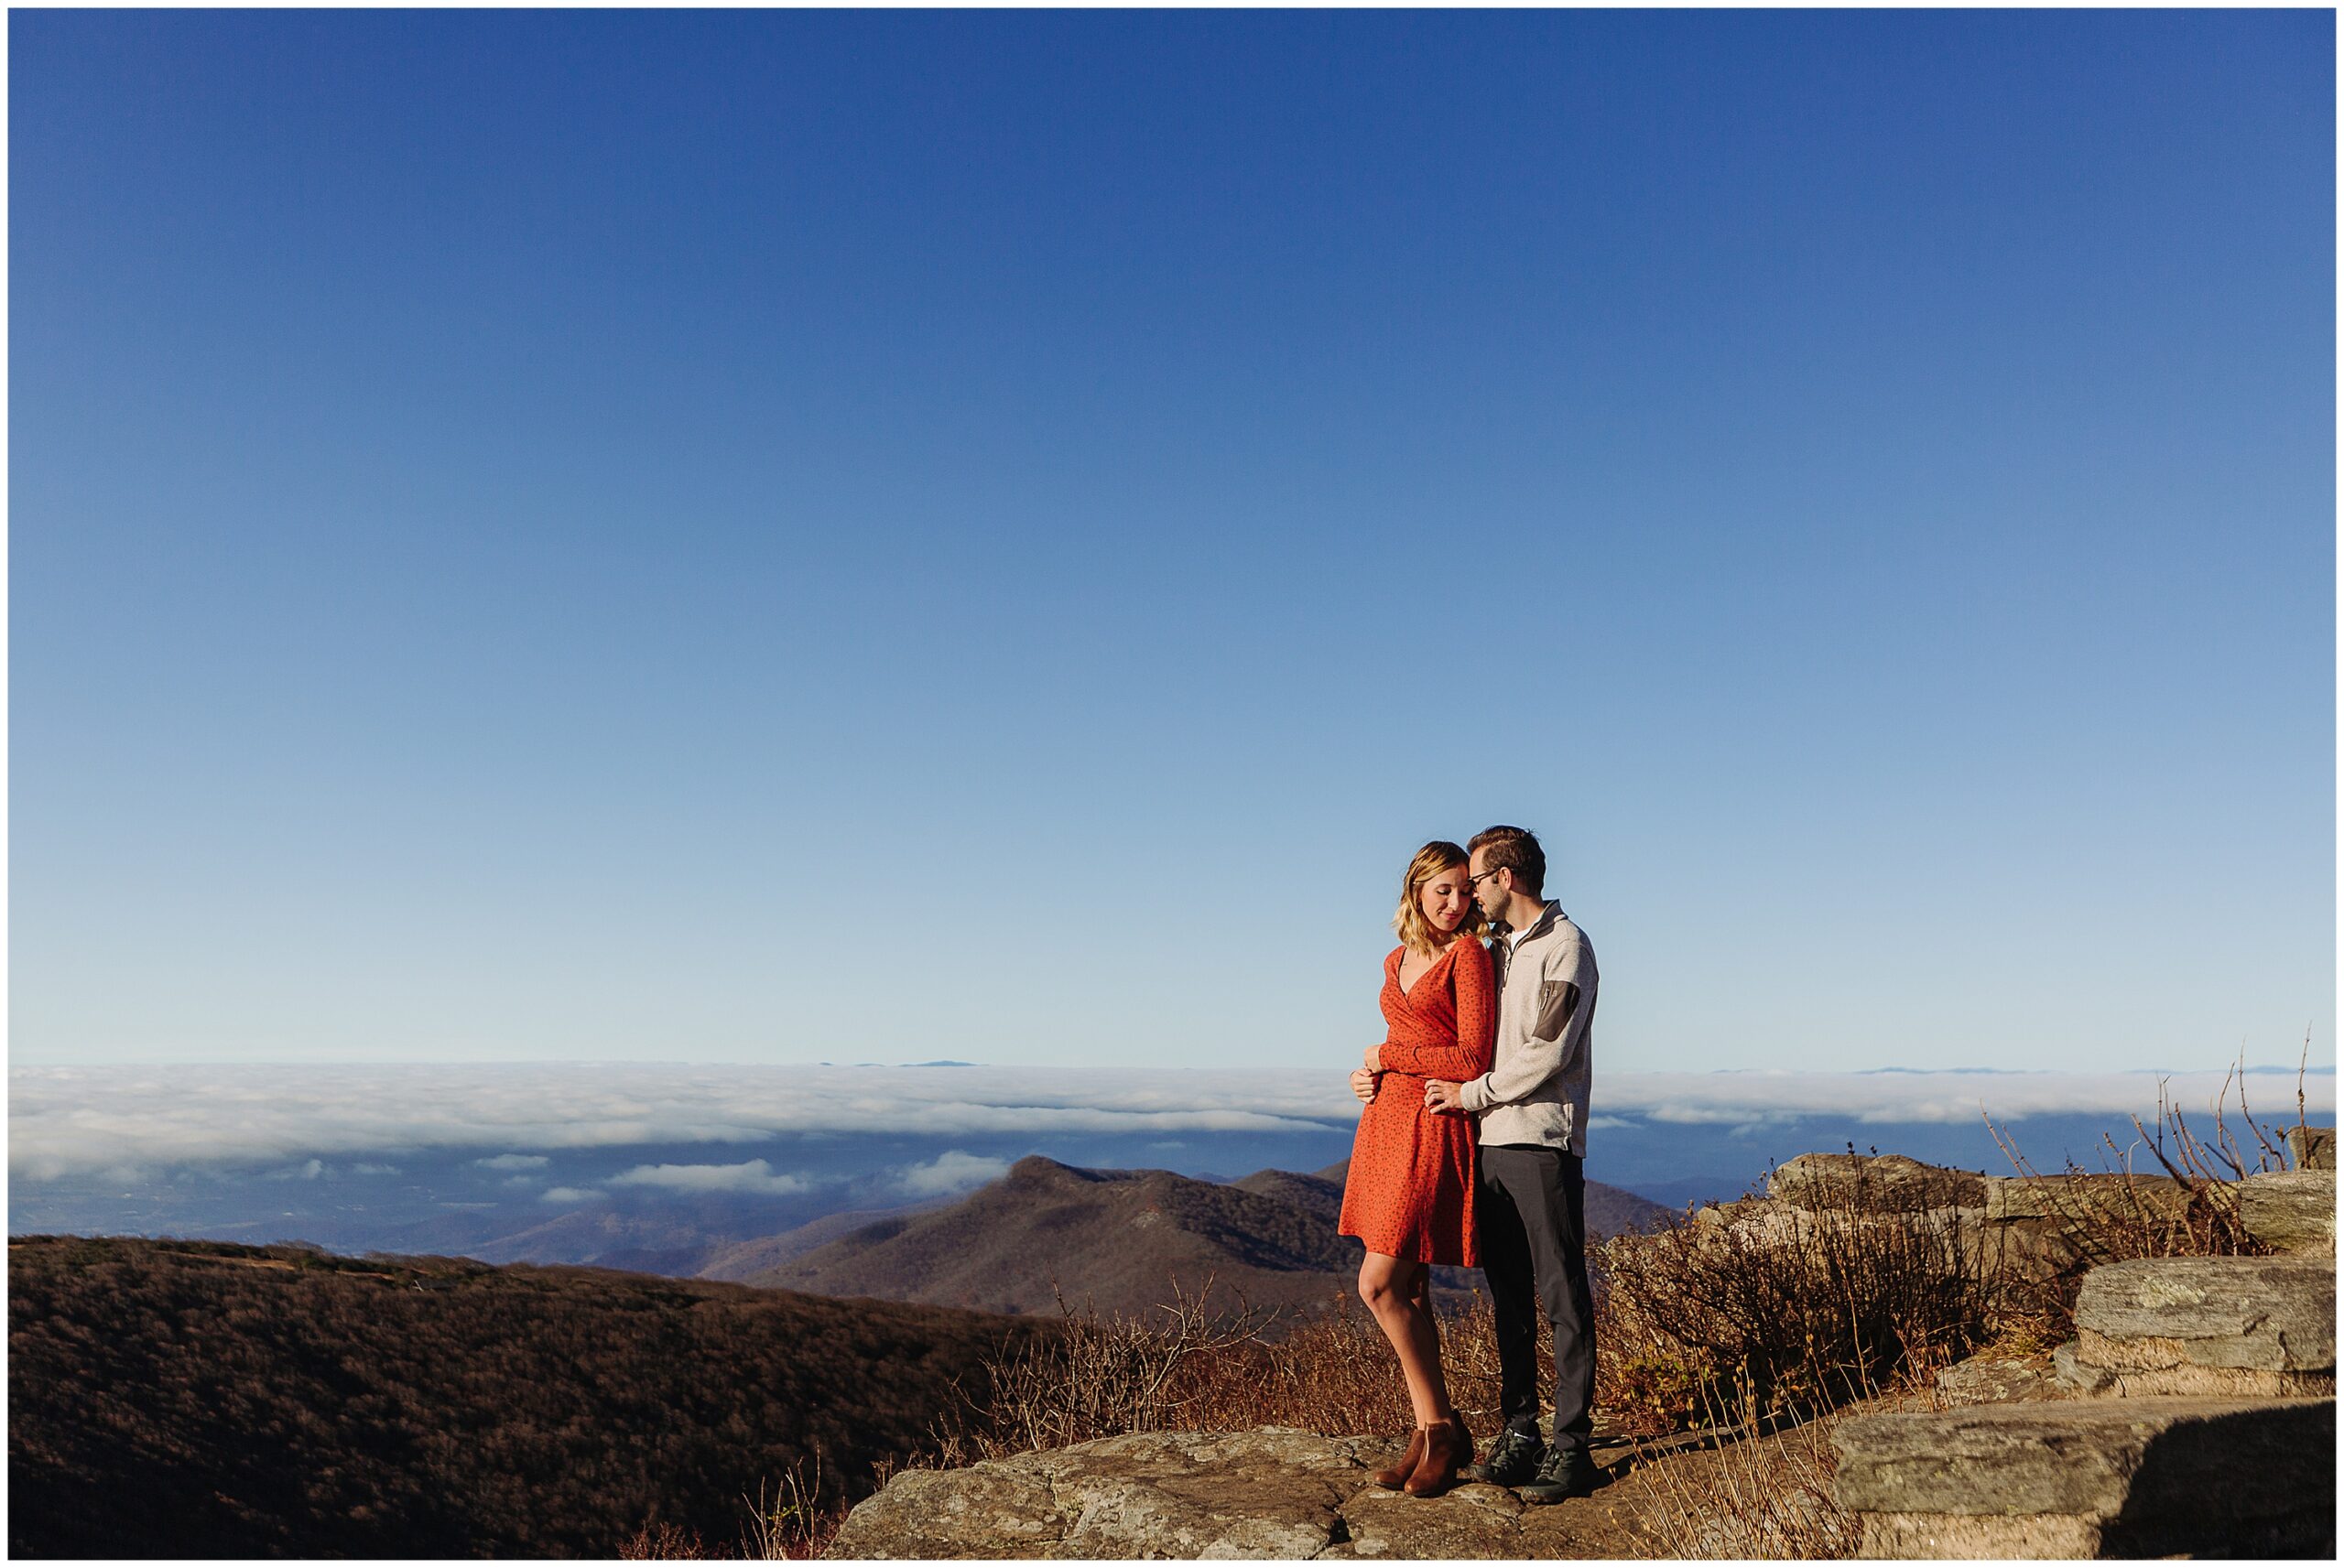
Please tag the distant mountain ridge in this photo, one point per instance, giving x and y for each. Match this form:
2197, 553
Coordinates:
1115, 1241
743, 1260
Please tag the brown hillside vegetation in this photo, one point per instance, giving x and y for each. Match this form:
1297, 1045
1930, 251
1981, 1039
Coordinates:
1111, 1240
202, 1398
743, 1262
1109, 1237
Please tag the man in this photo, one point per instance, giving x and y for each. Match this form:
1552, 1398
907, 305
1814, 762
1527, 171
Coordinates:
1532, 1201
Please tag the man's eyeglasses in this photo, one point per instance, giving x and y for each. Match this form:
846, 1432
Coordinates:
1476, 882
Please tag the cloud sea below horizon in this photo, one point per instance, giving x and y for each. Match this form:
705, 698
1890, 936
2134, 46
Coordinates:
69, 1121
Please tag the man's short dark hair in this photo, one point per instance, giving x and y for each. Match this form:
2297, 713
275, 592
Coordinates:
1515, 849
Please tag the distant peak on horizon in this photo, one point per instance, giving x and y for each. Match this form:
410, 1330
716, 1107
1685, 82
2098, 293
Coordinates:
935, 1064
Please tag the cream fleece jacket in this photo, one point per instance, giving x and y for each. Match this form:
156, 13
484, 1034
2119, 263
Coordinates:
1536, 1092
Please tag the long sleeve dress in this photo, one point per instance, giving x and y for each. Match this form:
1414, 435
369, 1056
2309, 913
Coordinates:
1409, 1192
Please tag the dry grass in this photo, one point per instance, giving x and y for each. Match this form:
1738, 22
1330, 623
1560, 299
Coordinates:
1765, 1497
796, 1525
1760, 1494
662, 1542
1183, 1369
1692, 1321
1334, 1372
1099, 1376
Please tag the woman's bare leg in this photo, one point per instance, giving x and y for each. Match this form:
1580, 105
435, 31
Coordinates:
1398, 1294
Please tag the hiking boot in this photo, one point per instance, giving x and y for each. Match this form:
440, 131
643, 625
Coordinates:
1510, 1461
1449, 1448
1567, 1473
1395, 1478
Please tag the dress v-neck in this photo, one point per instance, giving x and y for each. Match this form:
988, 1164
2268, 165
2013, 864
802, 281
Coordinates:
1407, 991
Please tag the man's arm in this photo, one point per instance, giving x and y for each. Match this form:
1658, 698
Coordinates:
1556, 1034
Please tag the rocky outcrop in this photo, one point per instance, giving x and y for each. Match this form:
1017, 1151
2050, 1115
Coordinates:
2176, 1422
1881, 1183
2290, 1211
2001, 1379
1272, 1493
2193, 1413
2014, 1229
2252, 1327
2146, 1477
1264, 1494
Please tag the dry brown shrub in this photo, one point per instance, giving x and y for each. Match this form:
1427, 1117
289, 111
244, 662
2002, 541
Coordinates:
1767, 1312
789, 1521
1099, 1376
798, 1524
1334, 1372
2171, 1192
662, 1542
1184, 1368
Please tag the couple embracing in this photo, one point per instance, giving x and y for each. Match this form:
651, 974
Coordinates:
1468, 1152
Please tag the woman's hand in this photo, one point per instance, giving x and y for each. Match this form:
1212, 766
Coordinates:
1364, 1085
1375, 1058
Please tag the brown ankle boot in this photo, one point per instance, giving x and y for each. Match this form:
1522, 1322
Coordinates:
1449, 1448
1395, 1478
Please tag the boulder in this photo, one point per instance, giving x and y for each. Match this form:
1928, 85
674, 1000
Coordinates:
2291, 1211
2085, 1197
2312, 1148
1261, 1494
2271, 1314
1878, 1182
2093, 1478
2000, 1379
2073, 1374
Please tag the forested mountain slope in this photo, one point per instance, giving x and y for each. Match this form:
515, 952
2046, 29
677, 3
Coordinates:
202, 1398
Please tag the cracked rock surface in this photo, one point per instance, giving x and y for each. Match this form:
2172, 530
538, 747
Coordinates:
1272, 1493
2276, 1315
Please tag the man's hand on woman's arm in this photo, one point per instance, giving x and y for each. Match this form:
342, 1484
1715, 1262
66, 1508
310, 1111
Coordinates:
1440, 1098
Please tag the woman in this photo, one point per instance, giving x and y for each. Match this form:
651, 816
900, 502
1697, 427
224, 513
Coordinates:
1409, 1195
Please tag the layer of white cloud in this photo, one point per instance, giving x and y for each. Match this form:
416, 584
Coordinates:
1710, 1098
79, 1121
514, 1163
954, 1171
749, 1176
570, 1194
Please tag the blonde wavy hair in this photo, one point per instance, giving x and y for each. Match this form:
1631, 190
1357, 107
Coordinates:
1409, 923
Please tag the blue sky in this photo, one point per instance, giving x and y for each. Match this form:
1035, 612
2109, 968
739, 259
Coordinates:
750, 537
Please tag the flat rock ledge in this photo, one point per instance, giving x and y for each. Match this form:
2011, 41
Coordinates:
2135, 1477
2293, 1211
2261, 1325
1273, 1493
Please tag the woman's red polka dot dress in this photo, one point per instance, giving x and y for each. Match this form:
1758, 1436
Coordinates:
1409, 1193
